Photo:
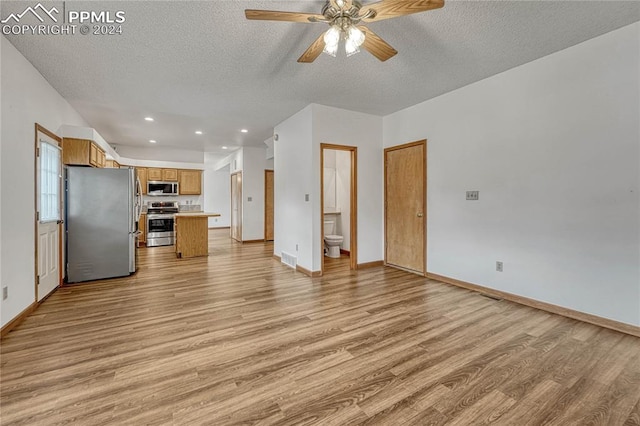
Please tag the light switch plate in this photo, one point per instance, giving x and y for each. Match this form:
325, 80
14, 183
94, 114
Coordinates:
306, 197
473, 195
249, 199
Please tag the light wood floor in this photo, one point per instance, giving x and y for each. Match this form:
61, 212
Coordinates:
237, 338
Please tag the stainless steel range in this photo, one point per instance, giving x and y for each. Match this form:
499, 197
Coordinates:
161, 216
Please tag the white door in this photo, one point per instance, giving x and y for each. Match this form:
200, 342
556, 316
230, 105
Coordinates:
49, 215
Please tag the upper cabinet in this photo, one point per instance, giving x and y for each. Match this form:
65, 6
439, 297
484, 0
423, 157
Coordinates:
190, 182
170, 175
162, 175
154, 174
112, 164
141, 172
82, 152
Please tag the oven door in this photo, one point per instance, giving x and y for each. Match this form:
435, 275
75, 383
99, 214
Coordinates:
160, 230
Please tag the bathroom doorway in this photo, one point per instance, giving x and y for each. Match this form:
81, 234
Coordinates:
338, 205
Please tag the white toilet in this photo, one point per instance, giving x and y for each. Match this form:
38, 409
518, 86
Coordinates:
331, 241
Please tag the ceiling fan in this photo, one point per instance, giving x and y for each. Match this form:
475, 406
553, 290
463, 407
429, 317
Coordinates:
344, 17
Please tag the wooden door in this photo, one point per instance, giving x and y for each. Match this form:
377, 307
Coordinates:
236, 206
170, 175
405, 206
141, 172
268, 205
49, 213
93, 155
154, 174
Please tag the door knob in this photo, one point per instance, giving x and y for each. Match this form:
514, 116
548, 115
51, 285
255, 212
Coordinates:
420, 214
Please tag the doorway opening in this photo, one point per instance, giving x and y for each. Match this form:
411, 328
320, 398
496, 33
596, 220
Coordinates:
405, 207
338, 206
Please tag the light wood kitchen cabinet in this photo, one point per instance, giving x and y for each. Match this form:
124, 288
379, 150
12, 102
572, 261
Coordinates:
112, 164
162, 175
154, 174
142, 174
102, 158
142, 227
170, 175
82, 152
190, 182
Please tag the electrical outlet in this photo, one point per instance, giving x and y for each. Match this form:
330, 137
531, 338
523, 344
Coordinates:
499, 266
306, 197
296, 247
5, 292
473, 195
249, 199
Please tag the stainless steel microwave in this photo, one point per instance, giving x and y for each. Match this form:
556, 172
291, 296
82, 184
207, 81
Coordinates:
162, 188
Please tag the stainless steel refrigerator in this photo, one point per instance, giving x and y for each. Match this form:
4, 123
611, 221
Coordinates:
102, 209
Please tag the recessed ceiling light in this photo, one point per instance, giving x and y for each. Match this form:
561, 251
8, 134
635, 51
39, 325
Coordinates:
244, 131
198, 132
152, 141
148, 118
224, 147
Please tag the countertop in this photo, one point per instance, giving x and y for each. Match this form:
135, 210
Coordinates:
197, 214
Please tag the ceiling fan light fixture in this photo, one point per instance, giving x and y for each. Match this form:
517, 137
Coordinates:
355, 35
331, 49
332, 36
350, 47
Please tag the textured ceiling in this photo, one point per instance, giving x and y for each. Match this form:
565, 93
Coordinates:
202, 66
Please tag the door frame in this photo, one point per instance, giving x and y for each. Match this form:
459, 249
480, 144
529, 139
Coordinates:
422, 142
239, 172
58, 139
266, 172
353, 205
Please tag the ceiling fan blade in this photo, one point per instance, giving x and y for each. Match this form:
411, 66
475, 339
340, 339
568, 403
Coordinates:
386, 9
377, 46
274, 15
312, 53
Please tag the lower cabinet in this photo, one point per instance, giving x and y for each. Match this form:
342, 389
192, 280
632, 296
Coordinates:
142, 227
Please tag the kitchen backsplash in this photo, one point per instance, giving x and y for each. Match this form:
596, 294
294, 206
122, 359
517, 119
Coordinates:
187, 202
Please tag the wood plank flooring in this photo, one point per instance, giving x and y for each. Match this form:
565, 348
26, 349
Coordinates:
237, 338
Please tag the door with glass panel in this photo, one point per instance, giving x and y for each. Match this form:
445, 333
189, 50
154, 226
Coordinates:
48, 213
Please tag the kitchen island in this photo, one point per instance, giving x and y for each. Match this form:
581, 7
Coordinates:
192, 233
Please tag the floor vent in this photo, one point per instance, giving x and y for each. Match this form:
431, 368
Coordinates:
289, 260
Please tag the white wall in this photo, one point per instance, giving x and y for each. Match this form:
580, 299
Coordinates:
252, 162
253, 166
217, 195
342, 127
27, 99
297, 172
292, 180
159, 153
553, 146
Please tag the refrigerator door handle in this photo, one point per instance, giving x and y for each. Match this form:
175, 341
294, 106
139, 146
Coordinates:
138, 199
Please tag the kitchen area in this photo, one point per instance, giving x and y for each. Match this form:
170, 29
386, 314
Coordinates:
112, 210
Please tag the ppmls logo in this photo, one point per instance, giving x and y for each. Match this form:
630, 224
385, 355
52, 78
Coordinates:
42, 20
32, 11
